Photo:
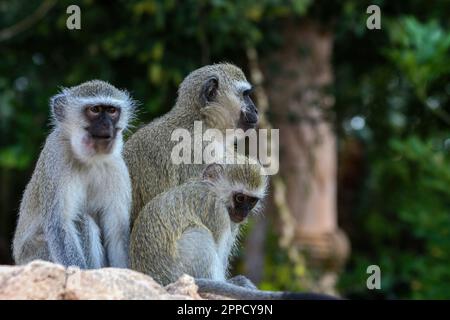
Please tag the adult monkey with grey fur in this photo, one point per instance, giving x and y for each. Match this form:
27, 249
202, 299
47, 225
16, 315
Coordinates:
219, 96
75, 209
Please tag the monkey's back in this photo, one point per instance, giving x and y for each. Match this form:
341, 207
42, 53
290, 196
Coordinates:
28, 242
147, 154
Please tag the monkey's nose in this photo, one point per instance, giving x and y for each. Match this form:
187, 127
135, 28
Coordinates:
101, 131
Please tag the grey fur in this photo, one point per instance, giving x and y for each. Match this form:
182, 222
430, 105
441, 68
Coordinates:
147, 152
75, 209
188, 228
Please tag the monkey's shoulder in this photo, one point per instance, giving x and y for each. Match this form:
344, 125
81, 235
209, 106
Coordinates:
190, 198
50, 158
148, 133
149, 145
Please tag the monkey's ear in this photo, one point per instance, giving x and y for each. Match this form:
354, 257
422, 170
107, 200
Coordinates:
213, 172
57, 104
209, 90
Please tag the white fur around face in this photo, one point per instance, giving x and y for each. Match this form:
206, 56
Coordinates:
74, 124
223, 186
241, 86
78, 104
84, 151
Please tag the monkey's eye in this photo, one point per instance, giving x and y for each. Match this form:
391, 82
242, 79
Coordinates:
239, 198
111, 110
94, 109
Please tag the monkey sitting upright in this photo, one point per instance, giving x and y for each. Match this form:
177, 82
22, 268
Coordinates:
219, 96
75, 209
192, 228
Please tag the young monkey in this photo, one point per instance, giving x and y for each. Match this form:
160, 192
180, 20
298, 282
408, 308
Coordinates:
192, 228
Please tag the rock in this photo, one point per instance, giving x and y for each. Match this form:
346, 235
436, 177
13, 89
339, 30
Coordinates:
37, 280
113, 284
45, 280
41, 280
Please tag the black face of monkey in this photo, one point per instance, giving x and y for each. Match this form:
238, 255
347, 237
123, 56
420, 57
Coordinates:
246, 112
249, 114
102, 126
242, 205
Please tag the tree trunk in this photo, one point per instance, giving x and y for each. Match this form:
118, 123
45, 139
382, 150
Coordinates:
298, 77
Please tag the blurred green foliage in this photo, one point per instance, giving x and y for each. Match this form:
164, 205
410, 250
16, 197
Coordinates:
397, 80
420, 51
401, 219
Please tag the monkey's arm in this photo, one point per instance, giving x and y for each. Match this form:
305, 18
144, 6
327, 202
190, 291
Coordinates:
198, 256
115, 224
230, 290
115, 218
62, 239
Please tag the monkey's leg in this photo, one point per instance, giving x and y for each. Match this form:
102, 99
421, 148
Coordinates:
33, 248
63, 240
91, 238
198, 255
115, 224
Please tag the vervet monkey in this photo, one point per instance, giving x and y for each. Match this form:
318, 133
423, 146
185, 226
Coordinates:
75, 209
219, 96
192, 228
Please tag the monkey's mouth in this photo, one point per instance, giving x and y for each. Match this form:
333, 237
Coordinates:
102, 139
249, 123
100, 143
103, 145
237, 216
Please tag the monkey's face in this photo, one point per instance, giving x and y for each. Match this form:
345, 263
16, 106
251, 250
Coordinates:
101, 129
228, 104
241, 187
248, 117
92, 116
242, 205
